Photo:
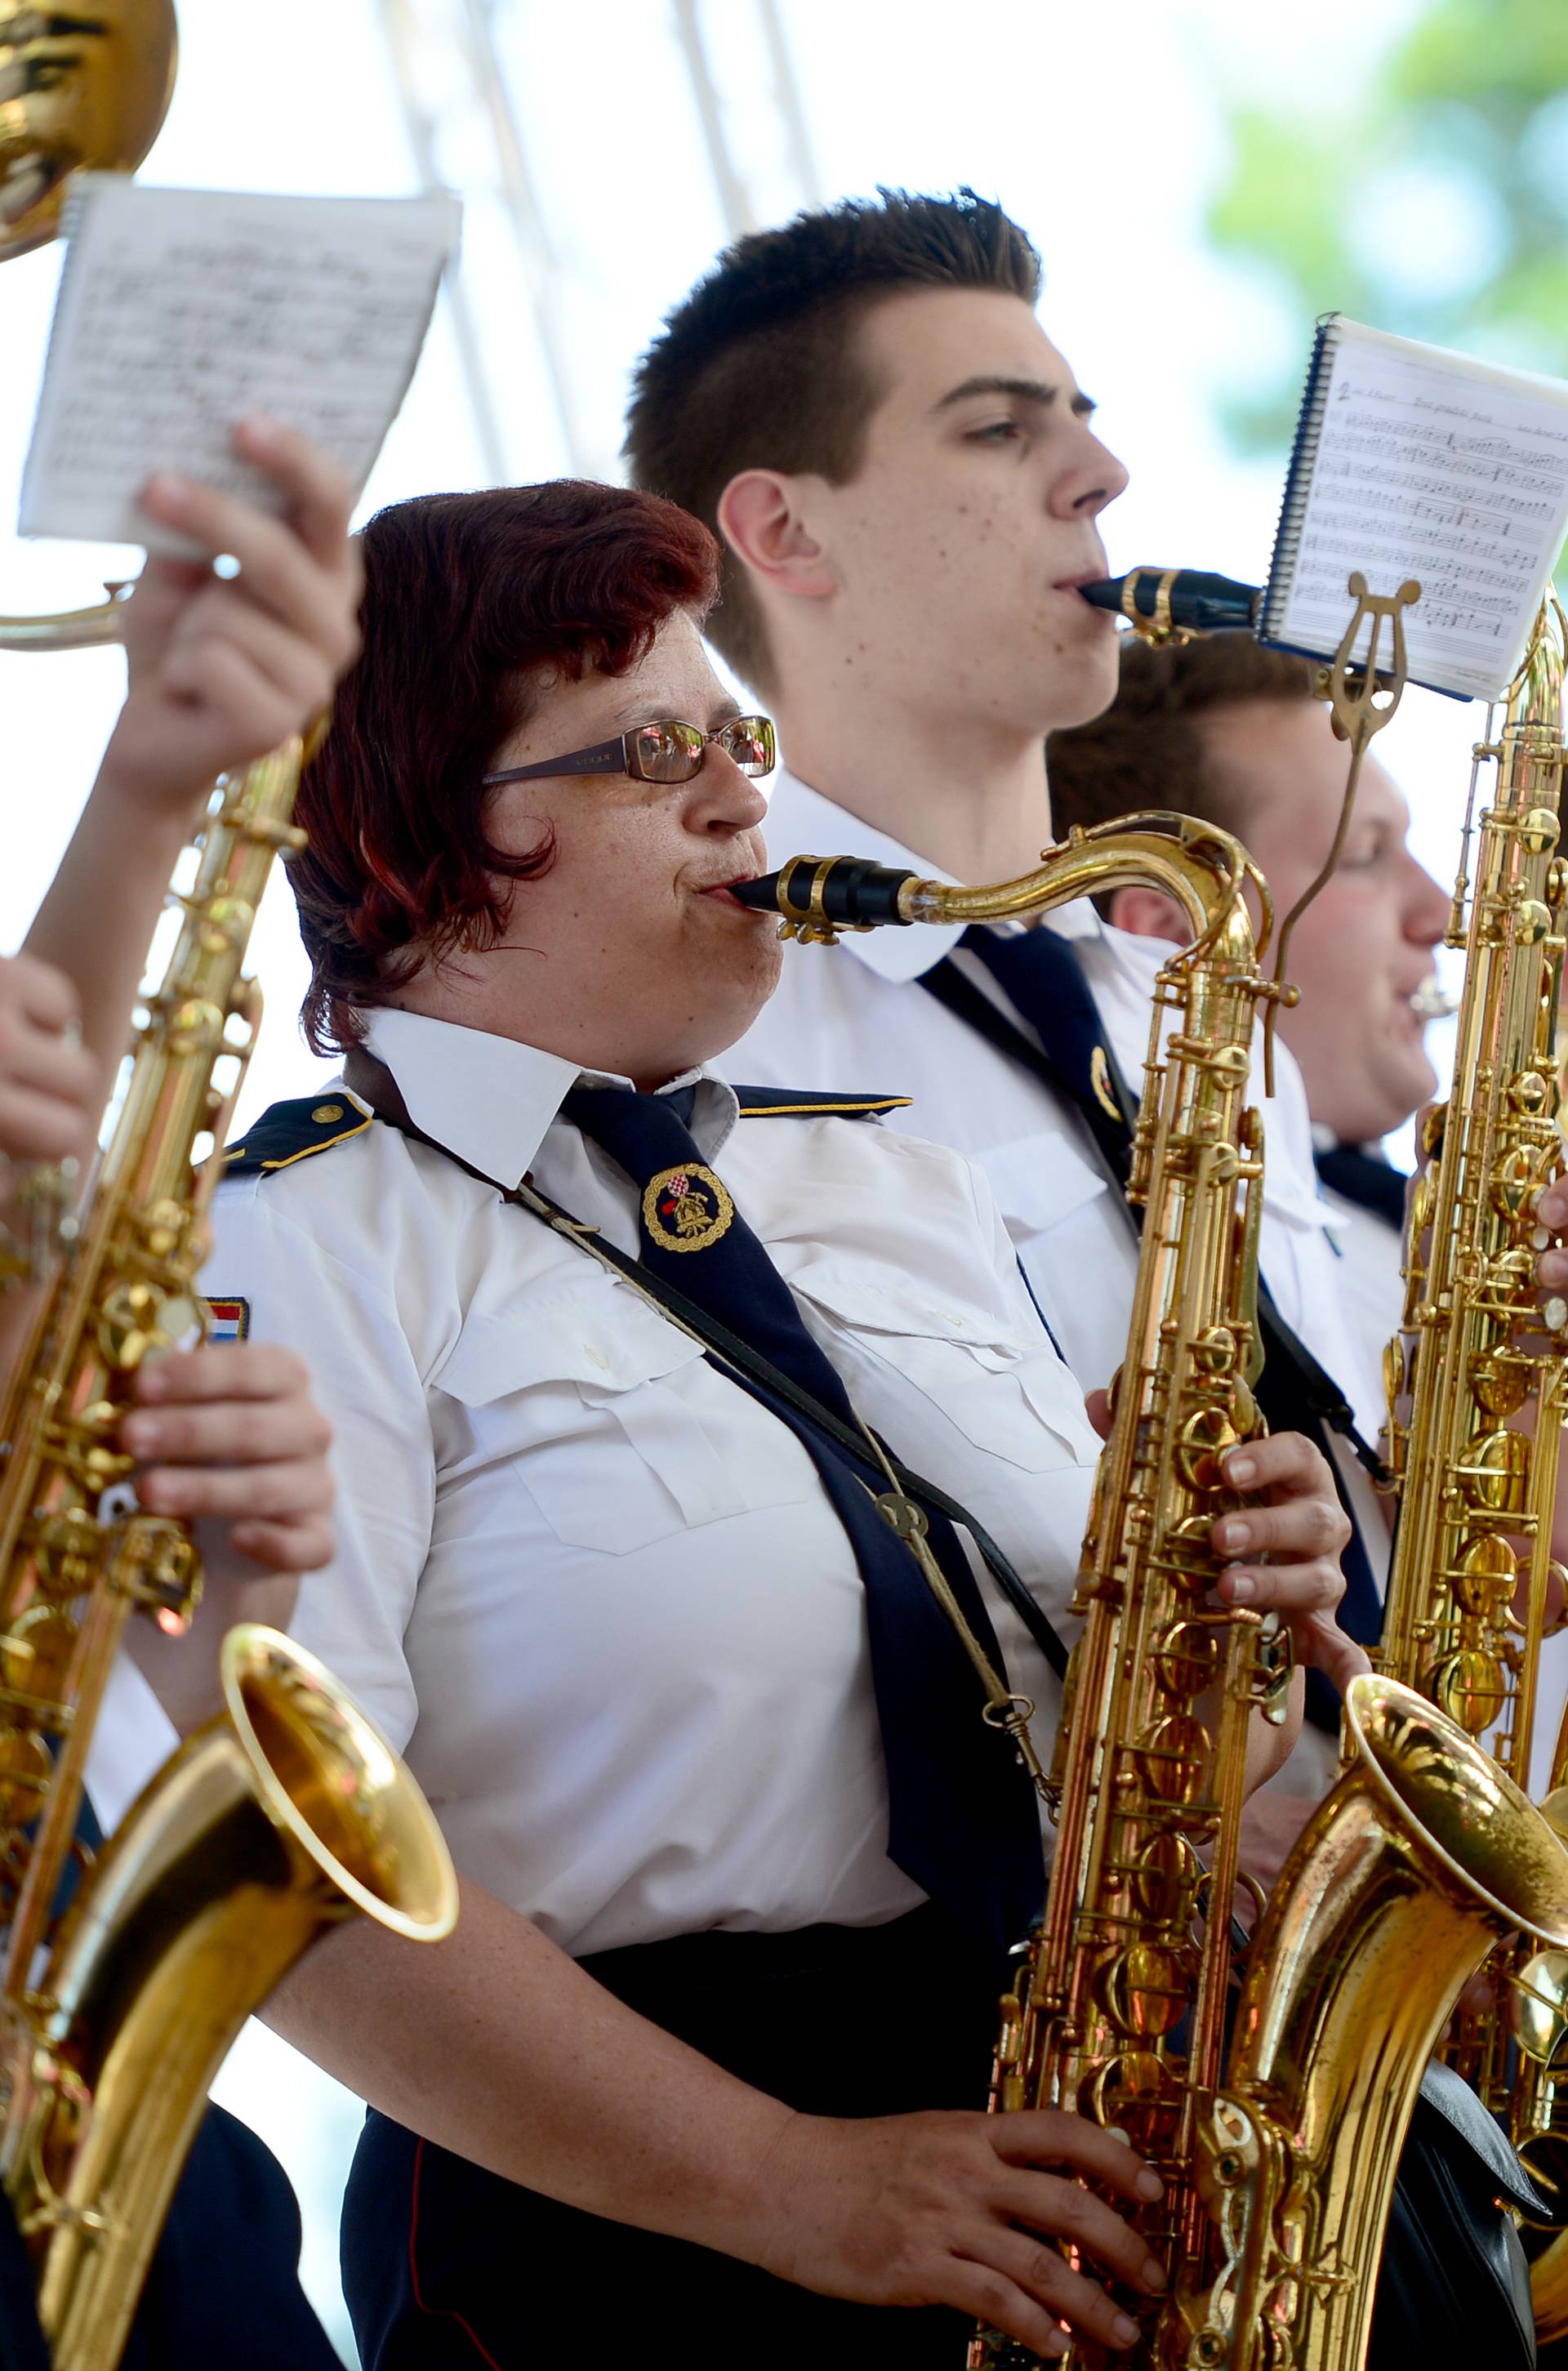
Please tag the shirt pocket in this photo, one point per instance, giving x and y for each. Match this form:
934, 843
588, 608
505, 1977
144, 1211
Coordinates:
1018, 1402
609, 1417
1041, 1181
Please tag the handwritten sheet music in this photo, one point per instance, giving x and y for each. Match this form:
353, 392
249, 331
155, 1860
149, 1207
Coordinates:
1436, 466
182, 310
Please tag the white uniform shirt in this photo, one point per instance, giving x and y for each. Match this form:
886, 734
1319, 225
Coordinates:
592, 1587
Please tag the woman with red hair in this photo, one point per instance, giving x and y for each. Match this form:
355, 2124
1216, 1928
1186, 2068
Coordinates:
620, 1358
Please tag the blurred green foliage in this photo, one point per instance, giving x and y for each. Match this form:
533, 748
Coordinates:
1436, 205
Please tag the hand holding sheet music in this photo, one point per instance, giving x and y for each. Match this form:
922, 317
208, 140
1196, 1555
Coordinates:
183, 310
1413, 462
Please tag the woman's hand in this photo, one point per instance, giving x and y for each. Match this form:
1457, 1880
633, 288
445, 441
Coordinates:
222, 669
959, 2210
230, 1434
1300, 1526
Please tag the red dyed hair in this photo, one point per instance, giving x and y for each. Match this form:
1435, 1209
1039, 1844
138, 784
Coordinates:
473, 604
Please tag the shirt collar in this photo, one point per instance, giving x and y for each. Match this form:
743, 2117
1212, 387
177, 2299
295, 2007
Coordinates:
491, 1099
801, 822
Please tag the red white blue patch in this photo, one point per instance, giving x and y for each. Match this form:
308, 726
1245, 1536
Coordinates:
230, 1320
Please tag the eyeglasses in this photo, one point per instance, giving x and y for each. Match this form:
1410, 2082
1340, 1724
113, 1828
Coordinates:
666, 752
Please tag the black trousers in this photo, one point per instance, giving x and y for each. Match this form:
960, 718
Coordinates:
448, 2268
223, 2291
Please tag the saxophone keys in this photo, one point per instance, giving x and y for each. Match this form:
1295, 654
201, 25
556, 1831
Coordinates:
1470, 1687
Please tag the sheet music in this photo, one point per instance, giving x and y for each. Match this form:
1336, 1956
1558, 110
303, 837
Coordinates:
1436, 466
180, 310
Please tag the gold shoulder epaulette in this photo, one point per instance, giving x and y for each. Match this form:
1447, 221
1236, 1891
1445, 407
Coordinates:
787, 1102
293, 1132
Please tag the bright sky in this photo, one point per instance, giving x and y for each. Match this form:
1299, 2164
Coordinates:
1100, 128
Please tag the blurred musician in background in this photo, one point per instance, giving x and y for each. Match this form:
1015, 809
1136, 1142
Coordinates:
741, 1857
220, 670
1225, 729
907, 483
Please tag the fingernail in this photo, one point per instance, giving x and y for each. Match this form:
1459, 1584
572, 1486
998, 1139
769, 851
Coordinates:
1552, 1267
1240, 1470
1149, 2184
1056, 2343
260, 428
1241, 1587
1234, 1532
1124, 2330
1153, 2274
158, 1489
171, 493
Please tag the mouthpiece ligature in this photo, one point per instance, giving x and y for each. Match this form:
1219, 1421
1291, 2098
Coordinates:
817, 898
1161, 603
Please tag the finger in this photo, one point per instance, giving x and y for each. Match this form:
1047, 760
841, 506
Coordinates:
1315, 1526
988, 2297
229, 1432
1280, 1460
307, 1547
1097, 1408
222, 1370
276, 569
1551, 1205
248, 715
1551, 1269
1045, 2202
1044, 2274
281, 1492
37, 1061
1288, 1589
321, 498
1323, 1646
1045, 2136
301, 672
42, 1128
40, 991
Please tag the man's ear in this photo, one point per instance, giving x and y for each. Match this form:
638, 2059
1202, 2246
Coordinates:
761, 519
1149, 914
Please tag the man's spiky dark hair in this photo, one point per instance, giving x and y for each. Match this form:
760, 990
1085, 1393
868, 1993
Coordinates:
760, 366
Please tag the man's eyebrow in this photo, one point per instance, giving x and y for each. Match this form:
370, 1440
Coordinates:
1026, 390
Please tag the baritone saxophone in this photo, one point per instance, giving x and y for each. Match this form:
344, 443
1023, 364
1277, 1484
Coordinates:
131, 1966
1277, 2149
1478, 1358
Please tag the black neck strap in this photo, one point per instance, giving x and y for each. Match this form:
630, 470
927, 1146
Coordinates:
374, 1086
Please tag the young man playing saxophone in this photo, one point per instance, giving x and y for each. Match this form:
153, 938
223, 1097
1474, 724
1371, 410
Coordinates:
904, 475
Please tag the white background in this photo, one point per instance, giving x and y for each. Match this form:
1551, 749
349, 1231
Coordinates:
1102, 129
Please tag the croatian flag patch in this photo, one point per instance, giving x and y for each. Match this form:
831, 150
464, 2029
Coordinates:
230, 1320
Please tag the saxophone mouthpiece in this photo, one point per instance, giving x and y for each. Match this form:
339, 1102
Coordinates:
1159, 602
817, 896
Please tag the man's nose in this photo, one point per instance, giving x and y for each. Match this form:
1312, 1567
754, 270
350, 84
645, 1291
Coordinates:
1426, 907
1090, 484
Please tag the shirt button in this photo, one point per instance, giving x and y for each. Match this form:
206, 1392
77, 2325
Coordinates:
597, 1358
325, 1112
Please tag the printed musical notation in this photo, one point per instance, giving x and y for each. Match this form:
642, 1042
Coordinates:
182, 310
1420, 464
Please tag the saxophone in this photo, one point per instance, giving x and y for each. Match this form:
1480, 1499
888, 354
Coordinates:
1278, 2148
129, 1971
1468, 1585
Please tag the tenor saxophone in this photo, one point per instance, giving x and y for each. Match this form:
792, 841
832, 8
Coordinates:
1276, 2135
1472, 1563
130, 1969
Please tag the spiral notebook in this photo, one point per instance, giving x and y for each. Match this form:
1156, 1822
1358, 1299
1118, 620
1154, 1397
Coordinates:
180, 310
1412, 462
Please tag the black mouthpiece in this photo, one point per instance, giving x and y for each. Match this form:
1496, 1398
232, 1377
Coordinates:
1201, 602
847, 891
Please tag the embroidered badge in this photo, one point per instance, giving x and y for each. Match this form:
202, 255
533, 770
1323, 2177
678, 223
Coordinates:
686, 1209
231, 1320
1099, 1079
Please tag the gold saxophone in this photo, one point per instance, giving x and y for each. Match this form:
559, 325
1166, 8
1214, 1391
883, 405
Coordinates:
1278, 2147
285, 1815
1468, 1585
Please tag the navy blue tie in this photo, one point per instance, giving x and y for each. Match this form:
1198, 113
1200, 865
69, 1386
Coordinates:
1042, 976
1365, 1178
962, 1816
